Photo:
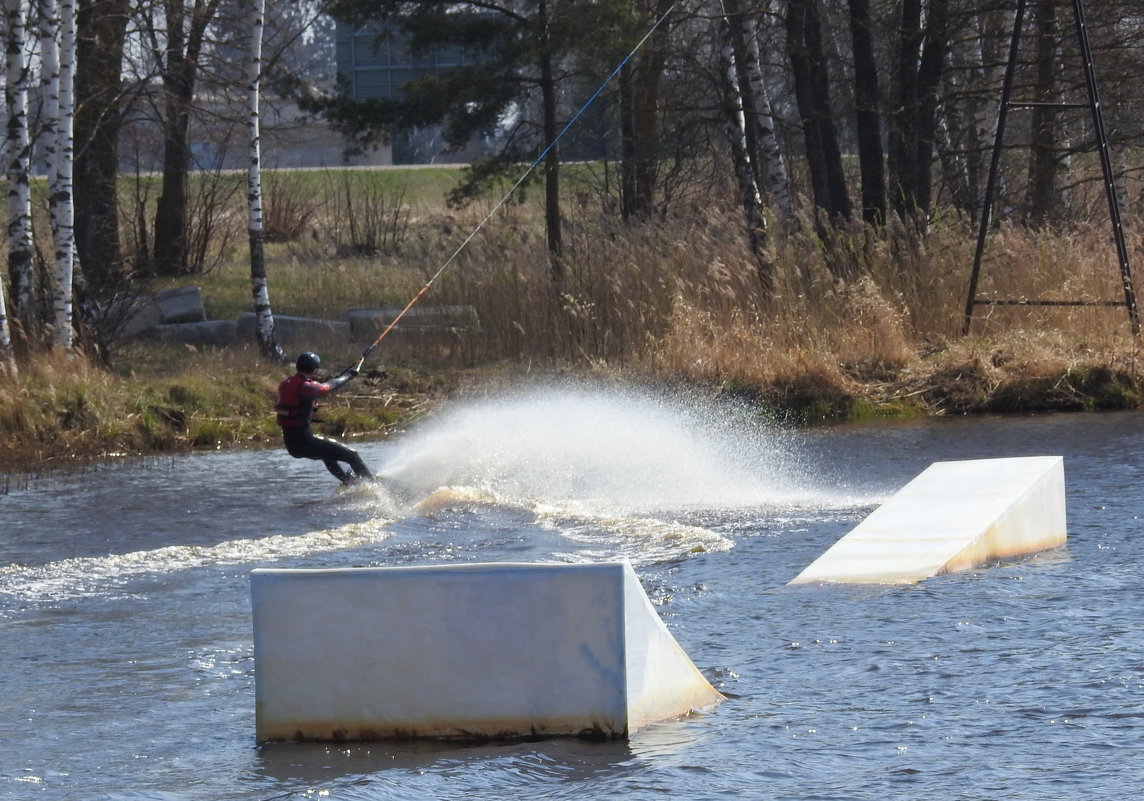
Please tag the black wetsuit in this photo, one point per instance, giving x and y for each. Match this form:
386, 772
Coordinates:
297, 401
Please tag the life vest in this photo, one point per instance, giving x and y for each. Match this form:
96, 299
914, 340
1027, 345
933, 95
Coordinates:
296, 402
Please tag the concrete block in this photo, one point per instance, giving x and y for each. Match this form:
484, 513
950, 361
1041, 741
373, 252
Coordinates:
131, 315
953, 516
298, 332
368, 323
215, 333
182, 304
464, 651
425, 332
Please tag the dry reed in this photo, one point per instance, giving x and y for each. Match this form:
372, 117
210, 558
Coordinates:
684, 299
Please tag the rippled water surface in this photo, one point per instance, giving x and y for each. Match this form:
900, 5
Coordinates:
126, 662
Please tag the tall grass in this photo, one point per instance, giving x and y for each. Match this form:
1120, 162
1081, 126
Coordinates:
681, 297
684, 297
64, 408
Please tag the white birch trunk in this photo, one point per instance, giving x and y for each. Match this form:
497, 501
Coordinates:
776, 180
49, 29
264, 317
49, 32
737, 122
7, 357
253, 127
63, 201
17, 152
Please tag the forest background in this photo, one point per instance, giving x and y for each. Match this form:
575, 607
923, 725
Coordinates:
772, 200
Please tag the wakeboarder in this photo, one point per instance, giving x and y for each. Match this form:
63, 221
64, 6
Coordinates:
297, 402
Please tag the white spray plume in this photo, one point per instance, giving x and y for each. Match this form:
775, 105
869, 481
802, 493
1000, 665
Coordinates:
616, 450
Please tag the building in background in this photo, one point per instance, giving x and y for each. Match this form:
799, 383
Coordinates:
375, 63
369, 66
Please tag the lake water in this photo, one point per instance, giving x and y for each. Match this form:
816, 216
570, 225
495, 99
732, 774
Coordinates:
126, 660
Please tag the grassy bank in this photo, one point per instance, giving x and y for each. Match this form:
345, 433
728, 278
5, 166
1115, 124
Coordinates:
65, 411
679, 301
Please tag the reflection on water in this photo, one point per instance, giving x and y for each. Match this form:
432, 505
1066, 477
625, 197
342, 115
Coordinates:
127, 663
552, 768
543, 760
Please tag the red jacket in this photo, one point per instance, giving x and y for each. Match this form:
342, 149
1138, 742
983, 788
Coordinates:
297, 400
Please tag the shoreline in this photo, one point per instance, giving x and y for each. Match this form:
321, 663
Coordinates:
380, 405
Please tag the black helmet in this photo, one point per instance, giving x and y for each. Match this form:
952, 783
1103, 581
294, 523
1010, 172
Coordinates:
308, 363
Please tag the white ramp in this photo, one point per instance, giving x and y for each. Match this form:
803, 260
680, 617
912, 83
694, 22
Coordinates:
953, 516
464, 651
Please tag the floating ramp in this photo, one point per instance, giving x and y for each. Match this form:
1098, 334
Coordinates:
953, 516
464, 651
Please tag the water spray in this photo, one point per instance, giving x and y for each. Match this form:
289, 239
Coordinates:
504, 199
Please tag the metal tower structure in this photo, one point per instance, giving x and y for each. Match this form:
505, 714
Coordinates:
1101, 136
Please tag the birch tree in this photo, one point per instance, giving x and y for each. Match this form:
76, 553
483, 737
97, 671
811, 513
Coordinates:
7, 357
737, 136
15, 31
773, 177
776, 179
49, 31
17, 149
264, 317
57, 54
